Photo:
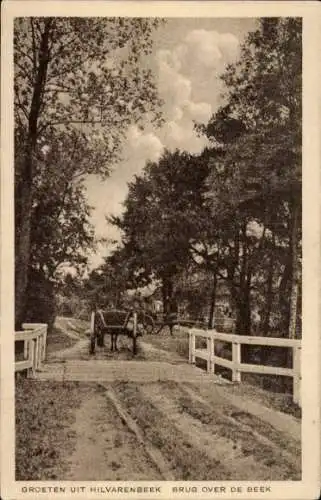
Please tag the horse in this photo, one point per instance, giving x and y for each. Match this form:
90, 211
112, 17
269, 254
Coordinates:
114, 323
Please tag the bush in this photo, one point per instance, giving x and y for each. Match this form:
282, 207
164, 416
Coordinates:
40, 304
72, 306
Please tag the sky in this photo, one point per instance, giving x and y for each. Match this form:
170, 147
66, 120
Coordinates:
187, 58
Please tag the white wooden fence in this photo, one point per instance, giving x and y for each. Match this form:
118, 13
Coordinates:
236, 365
34, 336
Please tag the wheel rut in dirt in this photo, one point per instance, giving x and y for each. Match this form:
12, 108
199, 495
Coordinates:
153, 453
261, 431
106, 448
225, 447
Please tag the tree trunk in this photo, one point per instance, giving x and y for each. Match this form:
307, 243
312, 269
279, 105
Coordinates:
22, 255
24, 191
269, 291
243, 320
167, 292
284, 296
213, 301
243, 323
248, 301
295, 272
266, 351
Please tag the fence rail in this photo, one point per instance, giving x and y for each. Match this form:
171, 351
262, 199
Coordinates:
224, 324
236, 365
34, 336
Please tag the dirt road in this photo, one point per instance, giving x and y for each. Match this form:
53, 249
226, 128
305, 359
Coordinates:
171, 427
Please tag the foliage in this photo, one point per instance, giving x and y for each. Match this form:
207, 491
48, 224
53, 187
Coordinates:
92, 86
40, 302
61, 233
158, 220
256, 181
78, 84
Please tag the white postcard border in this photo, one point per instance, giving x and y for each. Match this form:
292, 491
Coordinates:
311, 374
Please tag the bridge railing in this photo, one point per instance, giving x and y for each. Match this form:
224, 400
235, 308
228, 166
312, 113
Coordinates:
222, 324
34, 337
236, 365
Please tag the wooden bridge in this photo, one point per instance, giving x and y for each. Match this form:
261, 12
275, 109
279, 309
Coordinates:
34, 337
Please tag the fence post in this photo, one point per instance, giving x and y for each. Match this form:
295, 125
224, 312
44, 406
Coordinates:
92, 322
31, 357
36, 344
38, 352
43, 346
208, 361
296, 365
191, 347
44, 352
236, 358
211, 346
25, 349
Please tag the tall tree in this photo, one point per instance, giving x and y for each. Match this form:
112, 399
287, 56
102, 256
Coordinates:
81, 78
259, 128
158, 221
60, 236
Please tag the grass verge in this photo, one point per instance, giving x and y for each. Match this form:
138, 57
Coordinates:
251, 389
45, 411
58, 340
177, 344
221, 424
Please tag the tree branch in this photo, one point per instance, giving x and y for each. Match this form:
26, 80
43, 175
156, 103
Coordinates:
33, 49
72, 122
58, 88
18, 50
22, 107
25, 74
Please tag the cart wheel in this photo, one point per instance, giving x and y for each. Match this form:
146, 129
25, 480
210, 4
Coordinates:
100, 339
134, 346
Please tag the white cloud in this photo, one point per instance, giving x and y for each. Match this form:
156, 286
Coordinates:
175, 113
170, 58
188, 84
182, 136
173, 132
203, 47
210, 48
199, 111
192, 65
186, 72
229, 46
145, 146
173, 86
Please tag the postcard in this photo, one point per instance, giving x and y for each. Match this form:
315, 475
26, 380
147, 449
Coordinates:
160, 250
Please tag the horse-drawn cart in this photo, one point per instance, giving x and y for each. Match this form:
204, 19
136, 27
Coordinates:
113, 322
